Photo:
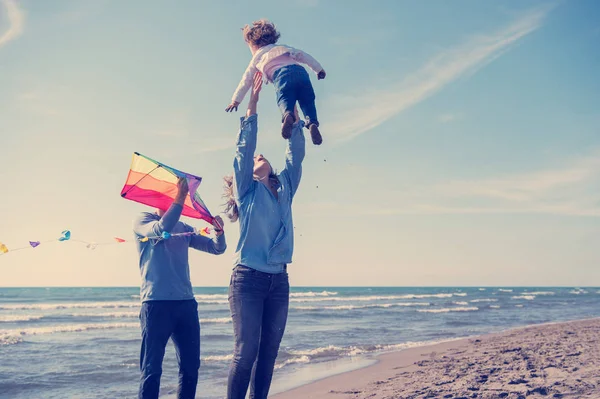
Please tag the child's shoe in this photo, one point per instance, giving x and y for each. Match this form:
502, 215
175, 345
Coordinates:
286, 128
315, 135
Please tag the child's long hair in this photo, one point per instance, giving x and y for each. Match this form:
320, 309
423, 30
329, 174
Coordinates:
230, 205
261, 33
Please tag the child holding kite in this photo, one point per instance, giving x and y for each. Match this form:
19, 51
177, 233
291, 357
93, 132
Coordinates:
280, 64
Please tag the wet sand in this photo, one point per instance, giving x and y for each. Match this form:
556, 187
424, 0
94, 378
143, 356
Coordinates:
546, 361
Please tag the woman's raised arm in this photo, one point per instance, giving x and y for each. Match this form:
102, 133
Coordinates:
243, 163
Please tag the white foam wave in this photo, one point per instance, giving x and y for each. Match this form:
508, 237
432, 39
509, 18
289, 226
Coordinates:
518, 306
334, 352
525, 297
135, 296
216, 358
538, 293
210, 296
78, 305
578, 291
352, 307
375, 297
447, 310
460, 294
461, 303
294, 360
13, 336
312, 294
107, 315
494, 306
484, 300
11, 319
221, 320
482, 289
10, 339
503, 290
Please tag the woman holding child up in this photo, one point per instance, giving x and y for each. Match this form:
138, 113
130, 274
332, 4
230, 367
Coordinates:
259, 288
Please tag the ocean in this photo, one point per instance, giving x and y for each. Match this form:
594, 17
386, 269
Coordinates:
84, 342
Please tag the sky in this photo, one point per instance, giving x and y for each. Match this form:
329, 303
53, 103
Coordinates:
461, 139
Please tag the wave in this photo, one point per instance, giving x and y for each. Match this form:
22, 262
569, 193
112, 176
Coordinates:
503, 290
482, 289
353, 307
460, 303
210, 296
484, 300
578, 291
460, 294
12, 319
494, 306
220, 320
107, 315
447, 310
78, 305
217, 358
14, 336
333, 352
538, 293
526, 297
135, 296
312, 294
518, 306
375, 297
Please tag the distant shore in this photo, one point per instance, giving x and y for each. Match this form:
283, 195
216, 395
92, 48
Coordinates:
559, 360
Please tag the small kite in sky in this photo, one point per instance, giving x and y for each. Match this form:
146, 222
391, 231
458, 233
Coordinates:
65, 236
34, 243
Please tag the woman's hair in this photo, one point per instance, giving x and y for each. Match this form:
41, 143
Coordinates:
261, 33
231, 208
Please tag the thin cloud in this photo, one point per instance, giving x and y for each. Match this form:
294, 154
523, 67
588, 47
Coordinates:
526, 187
566, 191
16, 21
362, 112
449, 117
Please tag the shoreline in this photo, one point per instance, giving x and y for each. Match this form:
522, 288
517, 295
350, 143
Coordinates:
513, 363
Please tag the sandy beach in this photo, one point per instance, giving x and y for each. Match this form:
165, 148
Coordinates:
546, 361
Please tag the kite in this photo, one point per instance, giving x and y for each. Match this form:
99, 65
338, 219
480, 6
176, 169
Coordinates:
117, 239
34, 243
65, 236
3, 248
152, 183
205, 232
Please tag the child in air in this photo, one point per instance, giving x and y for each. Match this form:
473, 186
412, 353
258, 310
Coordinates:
280, 64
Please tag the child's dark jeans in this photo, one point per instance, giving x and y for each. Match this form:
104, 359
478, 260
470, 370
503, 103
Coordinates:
292, 84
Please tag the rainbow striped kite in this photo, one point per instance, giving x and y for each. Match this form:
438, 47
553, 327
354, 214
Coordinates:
155, 184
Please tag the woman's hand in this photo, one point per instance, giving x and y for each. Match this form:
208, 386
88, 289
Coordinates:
256, 88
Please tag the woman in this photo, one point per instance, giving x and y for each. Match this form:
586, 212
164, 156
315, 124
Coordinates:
259, 287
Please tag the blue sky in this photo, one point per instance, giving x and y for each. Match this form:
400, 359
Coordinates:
461, 140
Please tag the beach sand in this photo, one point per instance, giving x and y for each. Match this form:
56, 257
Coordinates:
546, 361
